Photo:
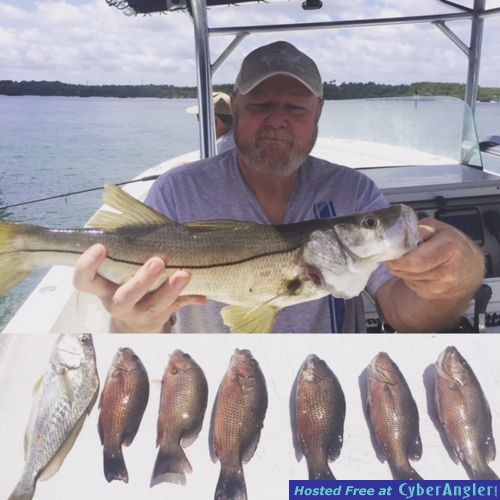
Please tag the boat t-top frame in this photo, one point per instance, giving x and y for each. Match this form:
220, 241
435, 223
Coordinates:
206, 69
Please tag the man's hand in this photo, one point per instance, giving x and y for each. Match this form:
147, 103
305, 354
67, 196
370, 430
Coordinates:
132, 308
440, 277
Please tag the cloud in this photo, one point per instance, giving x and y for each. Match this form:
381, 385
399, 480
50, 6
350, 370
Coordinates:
91, 42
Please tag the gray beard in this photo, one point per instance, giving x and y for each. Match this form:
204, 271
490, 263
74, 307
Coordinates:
286, 164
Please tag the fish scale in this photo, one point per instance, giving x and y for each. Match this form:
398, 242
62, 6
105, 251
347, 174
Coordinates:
183, 402
465, 414
318, 411
122, 405
237, 419
393, 414
66, 393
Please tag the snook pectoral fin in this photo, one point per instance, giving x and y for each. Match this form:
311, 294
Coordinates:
243, 320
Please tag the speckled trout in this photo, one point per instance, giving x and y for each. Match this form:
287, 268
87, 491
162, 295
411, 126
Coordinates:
63, 397
257, 269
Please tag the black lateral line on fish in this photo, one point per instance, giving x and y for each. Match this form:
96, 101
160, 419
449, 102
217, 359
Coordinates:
167, 266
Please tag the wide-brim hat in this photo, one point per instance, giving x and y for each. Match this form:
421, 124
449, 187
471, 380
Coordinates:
278, 58
222, 105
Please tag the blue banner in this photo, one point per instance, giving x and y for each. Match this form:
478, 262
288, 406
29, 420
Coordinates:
404, 490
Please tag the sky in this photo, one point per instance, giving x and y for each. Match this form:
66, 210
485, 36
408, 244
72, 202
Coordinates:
88, 42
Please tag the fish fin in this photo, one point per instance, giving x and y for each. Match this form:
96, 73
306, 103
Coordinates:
57, 460
488, 447
170, 466
415, 447
28, 433
319, 473
13, 267
132, 212
249, 451
404, 471
190, 437
231, 484
485, 473
214, 452
243, 320
66, 384
114, 466
293, 418
100, 430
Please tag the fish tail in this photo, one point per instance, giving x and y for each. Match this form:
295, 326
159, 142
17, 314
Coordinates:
171, 466
114, 466
404, 471
231, 484
319, 471
13, 267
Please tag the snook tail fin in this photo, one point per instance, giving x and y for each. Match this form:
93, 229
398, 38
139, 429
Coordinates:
13, 267
231, 485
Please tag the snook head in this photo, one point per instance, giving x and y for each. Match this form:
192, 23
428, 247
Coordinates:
341, 258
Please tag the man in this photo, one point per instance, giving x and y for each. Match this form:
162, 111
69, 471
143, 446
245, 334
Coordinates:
271, 178
223, 121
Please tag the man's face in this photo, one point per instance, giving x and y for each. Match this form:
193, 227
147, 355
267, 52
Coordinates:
276, 125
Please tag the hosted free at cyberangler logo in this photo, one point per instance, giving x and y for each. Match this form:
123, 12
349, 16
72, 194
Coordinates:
404, 490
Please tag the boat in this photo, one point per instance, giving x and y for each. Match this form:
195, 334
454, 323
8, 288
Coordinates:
422, 151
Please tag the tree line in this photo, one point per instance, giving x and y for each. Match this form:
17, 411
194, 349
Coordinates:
332, 90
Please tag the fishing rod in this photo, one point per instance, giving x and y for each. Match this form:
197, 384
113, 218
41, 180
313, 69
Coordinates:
65, 195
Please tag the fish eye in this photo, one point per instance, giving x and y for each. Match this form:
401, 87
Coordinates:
370, 222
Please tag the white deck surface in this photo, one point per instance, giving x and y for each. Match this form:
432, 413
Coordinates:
24, 357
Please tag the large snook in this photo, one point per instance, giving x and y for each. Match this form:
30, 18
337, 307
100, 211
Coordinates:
258, 269
317, 406
464, 414
393, 415
184, 394
122, 404
237, 420
63, 397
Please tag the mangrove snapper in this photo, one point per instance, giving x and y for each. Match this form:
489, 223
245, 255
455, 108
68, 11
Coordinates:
464, 414
184, 394
237, 420
394, 416
257, 269
122, 404
317, 415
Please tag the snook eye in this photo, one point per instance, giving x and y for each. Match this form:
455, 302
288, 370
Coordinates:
370, 222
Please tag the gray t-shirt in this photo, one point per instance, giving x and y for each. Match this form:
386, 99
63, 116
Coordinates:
215, 189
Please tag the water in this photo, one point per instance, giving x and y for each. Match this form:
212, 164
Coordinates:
54, 145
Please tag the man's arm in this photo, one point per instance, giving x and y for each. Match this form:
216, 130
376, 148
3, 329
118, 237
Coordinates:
434, 283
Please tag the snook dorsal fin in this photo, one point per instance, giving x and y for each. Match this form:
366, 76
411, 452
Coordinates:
132, 212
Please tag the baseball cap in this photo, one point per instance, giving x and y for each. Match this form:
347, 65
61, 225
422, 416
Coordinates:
278, 58
222, 104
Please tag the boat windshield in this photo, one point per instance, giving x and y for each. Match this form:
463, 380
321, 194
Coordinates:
416, 130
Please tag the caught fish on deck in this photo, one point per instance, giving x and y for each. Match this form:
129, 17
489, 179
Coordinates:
464, 414
122, 404
184, 394
393, 414
317, 413
257, 269
63, 397
237, 420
